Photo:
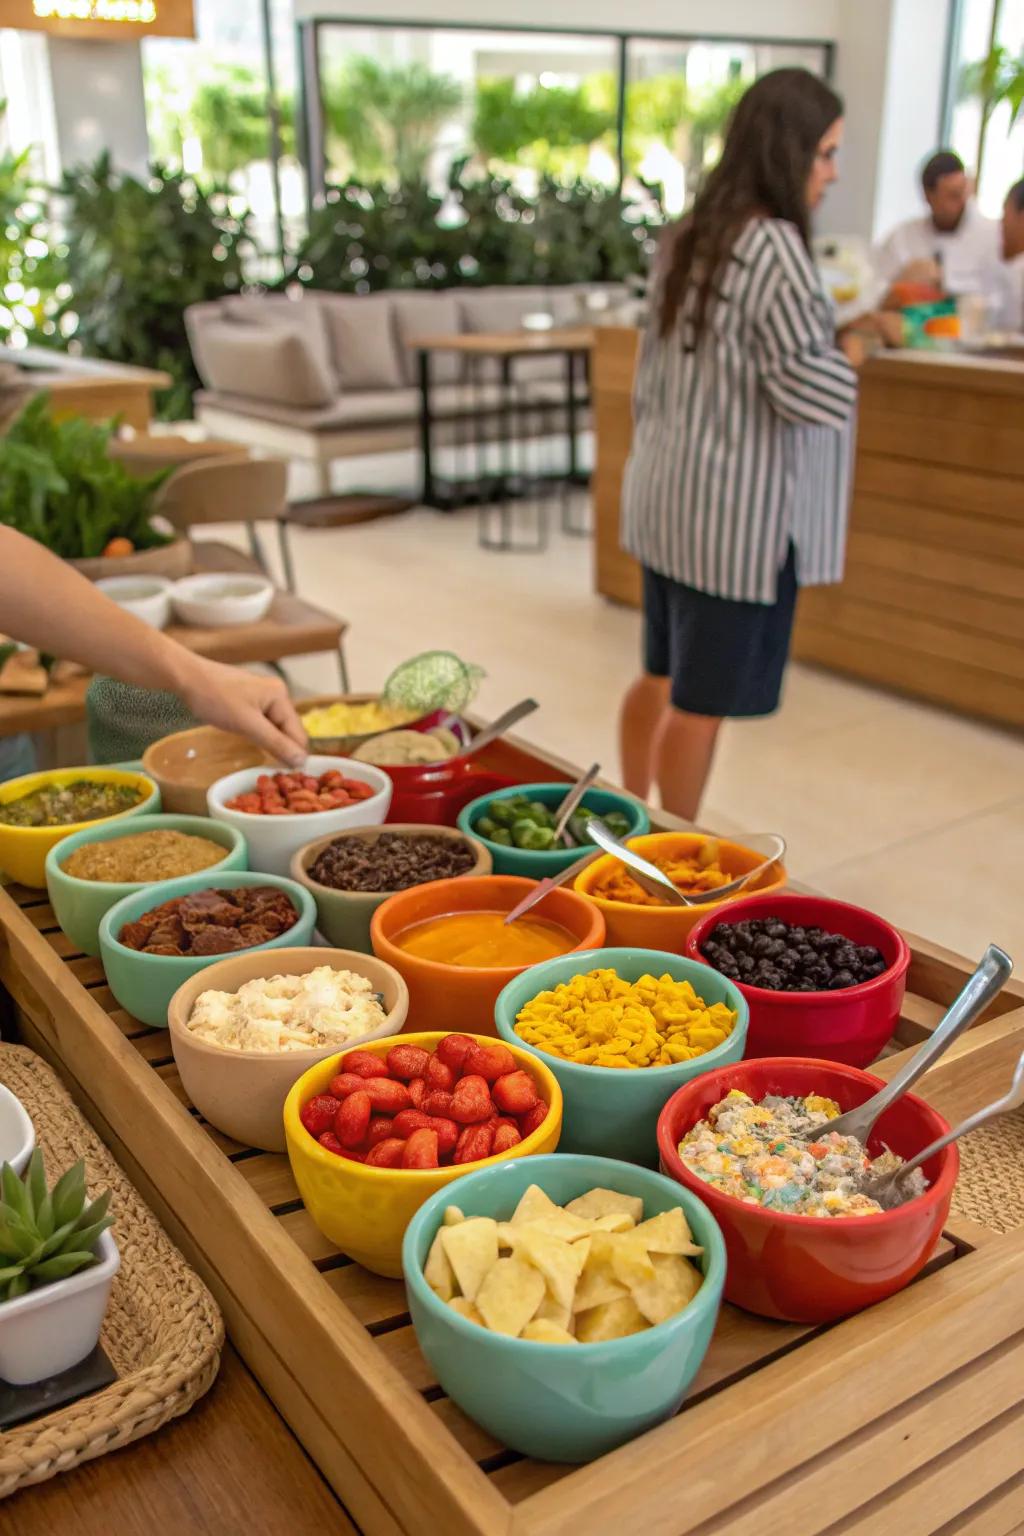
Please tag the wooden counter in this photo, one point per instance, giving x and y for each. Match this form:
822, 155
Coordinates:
932, 603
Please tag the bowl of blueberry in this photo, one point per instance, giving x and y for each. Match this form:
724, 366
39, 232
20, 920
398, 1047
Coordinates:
821, 978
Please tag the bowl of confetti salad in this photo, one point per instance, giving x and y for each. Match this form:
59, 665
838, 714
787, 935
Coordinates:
695, 863
803, 1243
622, 1029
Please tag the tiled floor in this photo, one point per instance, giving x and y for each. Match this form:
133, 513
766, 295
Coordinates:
915, 812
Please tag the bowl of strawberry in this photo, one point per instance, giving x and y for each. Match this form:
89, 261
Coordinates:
373, 1132
279, 812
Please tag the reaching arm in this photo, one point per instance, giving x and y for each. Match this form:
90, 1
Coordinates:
45, 603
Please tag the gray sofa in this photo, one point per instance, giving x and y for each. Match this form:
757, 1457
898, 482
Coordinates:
323, 376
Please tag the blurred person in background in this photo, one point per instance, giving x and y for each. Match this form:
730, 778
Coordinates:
1012, 311
736, 489
953, 246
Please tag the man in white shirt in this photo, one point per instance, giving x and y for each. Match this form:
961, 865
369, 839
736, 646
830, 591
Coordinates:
1012, 312
953, 244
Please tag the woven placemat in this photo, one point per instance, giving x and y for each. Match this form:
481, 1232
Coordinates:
990, 1189
162, 1333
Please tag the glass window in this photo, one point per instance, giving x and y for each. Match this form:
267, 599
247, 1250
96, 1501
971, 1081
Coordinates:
678, 99
412, 104
207, 108
988, 79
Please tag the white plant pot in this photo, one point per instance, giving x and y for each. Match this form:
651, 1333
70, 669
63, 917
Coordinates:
51, 1329
17, 1138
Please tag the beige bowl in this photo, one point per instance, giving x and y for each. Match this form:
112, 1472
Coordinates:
186, 764
343, 917
242, 1093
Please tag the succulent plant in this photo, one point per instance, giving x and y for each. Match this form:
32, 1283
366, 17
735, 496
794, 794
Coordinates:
46, 1235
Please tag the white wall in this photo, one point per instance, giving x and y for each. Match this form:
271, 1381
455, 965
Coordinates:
808, 19
915, 70
98, 102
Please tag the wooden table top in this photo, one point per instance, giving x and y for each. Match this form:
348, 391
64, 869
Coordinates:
509, 343
229, 1464
61, 370
291, 628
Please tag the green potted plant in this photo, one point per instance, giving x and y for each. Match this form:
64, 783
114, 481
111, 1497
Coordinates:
57, 1264
59, 485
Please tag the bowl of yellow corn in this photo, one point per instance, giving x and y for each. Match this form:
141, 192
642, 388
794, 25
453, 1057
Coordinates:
622, 1029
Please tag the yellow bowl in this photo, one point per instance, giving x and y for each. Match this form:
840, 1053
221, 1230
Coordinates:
634, 926
23, 850
366, 1210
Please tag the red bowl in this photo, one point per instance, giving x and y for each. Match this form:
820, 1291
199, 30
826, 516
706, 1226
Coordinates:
435, 793
815, 1269
851, 1025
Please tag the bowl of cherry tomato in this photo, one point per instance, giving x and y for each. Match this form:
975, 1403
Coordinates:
278, 812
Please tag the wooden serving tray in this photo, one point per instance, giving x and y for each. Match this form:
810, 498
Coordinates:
910, 1409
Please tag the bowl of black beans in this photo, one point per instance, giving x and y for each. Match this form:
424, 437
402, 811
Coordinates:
821, 978
350, 873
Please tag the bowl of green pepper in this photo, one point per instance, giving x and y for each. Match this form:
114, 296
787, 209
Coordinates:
517, 826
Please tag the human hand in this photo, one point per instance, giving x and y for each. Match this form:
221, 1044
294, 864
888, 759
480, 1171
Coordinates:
254, 706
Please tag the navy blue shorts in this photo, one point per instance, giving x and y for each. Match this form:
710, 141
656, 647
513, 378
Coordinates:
725, 658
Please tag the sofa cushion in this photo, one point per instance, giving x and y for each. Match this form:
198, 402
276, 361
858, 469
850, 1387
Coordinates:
500, 309
264, 362
427, 314
302, 314
364, 348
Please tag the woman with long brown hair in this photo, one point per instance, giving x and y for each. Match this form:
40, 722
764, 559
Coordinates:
736, 490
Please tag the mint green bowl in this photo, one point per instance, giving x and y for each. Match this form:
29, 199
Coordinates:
144, 984
79, 905
538, 863
563, 1402
611, 1111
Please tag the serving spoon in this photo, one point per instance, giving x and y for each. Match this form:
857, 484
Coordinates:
498, 727
647, 876
992, 974
886, 1188
570, 803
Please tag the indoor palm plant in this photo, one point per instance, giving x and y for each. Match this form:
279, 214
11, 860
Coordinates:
57, 1264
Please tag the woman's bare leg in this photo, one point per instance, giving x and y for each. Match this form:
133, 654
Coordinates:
683, 749
640, 720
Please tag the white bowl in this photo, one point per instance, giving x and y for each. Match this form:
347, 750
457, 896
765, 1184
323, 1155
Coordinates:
221, 598
17, 1138
51, 1328
272, 840
148, 597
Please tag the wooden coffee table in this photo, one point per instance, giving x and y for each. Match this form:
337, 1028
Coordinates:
293, 627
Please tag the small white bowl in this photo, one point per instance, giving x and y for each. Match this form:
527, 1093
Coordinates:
272, 840
148, 597
221, 598
17, 1138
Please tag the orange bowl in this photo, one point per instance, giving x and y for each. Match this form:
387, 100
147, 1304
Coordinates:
638, 927
462, 997
366, 1210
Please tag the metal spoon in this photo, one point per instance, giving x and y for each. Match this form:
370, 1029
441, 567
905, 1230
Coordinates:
648, 876
885, 1187
749, 841
992, 974
570, 803
500, 726
548, 884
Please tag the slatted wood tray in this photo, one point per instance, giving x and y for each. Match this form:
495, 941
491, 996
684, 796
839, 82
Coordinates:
905, 1417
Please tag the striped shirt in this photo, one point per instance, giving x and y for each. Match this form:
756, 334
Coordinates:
742, 443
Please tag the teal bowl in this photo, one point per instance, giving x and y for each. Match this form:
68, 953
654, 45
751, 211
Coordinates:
79, 905
145, 984
608, 1111
563, 1402
538, 863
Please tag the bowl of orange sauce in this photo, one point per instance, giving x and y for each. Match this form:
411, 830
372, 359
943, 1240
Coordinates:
450, 942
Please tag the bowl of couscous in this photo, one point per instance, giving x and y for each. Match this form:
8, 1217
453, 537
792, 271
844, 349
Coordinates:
622, 1030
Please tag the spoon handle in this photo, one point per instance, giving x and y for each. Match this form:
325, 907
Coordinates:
992, 973
573, 799
502, 724
1008, 1101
